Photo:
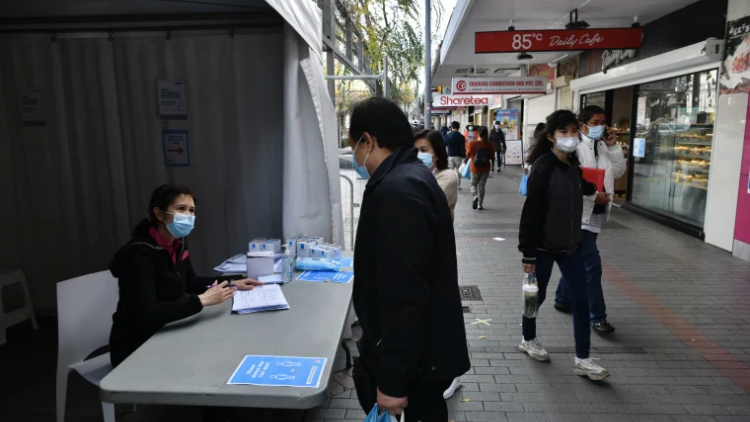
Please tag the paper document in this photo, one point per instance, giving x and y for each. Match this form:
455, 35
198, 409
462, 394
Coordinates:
279, 371
259, 299
235, 264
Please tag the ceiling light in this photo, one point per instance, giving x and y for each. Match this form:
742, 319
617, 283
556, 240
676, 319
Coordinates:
524, 56
575, 23
635, 24
511, 27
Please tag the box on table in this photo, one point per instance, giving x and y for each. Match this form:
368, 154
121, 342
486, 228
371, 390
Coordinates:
256, 244
259, 263
271, 245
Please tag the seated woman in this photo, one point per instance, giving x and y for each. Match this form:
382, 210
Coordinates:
433, 154
156, 278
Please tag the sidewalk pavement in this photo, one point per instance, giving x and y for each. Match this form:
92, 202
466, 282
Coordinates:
681, 308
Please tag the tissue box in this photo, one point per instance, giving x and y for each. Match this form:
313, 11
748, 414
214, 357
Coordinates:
256, 244
271, 245
291, 243
259, 263
303, 248
318, 241
321, 252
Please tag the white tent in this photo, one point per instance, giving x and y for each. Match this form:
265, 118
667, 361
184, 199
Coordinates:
261, 137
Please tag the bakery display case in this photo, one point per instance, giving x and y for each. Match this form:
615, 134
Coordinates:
675, 117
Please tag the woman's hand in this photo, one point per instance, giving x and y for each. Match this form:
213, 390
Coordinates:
394, 405
246, 284
216, 294
602, 198
529, 268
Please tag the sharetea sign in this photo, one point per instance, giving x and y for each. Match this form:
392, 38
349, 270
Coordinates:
557, 40
510, 85
460, 100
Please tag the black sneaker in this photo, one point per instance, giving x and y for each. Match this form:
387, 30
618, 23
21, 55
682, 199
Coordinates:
475, 203
564, 309
603, 327
498, 169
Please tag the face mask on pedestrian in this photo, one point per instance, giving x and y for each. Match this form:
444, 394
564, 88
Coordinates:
181, 225
471, 128
595, 132
426, 158
497, 127
567, 144
361, 170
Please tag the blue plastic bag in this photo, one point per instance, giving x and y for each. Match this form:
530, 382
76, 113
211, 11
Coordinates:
466, 170
523, 189
374, 416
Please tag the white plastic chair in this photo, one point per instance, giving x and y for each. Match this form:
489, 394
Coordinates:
7, 278
84, 318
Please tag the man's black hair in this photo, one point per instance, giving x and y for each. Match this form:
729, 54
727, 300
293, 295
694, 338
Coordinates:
497, 122
588, 112
455, 125
384, 120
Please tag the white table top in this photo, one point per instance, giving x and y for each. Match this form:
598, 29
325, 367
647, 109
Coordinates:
189, 362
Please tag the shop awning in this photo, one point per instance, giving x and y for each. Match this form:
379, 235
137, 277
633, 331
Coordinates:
457, 57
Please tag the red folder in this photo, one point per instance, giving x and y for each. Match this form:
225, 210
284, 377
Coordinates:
595, 176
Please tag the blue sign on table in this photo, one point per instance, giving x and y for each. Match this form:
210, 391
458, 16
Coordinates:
332, 276
346, 262
279, 371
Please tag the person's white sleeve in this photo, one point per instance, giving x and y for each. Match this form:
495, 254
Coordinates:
616, 157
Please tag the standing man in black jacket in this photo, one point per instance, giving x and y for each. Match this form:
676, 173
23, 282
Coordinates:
497, 137
406, 289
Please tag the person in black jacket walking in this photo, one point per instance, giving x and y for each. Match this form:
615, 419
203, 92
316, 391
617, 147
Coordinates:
406, 292
497, 137
550, 232
155, 274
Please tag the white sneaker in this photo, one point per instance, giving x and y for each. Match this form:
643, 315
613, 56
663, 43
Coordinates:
455, 385
534, 349
588, 368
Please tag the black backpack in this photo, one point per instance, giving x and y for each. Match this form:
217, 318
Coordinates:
482, 158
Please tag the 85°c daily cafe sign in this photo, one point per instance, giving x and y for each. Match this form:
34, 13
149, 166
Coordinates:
558, 40
509, 85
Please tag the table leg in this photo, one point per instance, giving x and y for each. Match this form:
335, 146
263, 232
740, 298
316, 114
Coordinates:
348, 354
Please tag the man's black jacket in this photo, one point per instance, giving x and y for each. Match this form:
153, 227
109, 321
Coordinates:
406, 286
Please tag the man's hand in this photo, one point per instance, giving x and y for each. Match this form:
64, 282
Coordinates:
602, 198
611, 138
246, 284
395, 406
529, 268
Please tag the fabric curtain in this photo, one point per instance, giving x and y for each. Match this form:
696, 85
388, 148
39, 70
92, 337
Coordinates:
312, 189
72, 190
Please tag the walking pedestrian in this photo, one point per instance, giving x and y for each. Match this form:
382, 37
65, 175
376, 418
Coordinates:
498, 142
597, 149
550, 233
443, 130
413, 342
431, 147
480, 151
456, 149
471, 131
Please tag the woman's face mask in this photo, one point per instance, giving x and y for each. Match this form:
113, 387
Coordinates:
426, 158
567, 144
181, 225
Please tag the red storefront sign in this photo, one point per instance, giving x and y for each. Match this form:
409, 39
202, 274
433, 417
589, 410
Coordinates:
557, 40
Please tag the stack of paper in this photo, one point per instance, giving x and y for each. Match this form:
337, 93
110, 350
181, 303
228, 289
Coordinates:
260, 299
235, 264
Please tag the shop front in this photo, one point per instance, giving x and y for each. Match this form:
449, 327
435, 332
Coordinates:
663, 110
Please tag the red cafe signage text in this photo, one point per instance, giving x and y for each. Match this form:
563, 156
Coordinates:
557, 40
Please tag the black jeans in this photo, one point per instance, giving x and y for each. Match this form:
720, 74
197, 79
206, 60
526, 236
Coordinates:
426, 403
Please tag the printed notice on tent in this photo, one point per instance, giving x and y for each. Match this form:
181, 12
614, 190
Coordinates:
176, 148
32, 108
172, 101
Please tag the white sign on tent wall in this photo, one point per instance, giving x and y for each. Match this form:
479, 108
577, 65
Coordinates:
32, 107
172, 100
176, 148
